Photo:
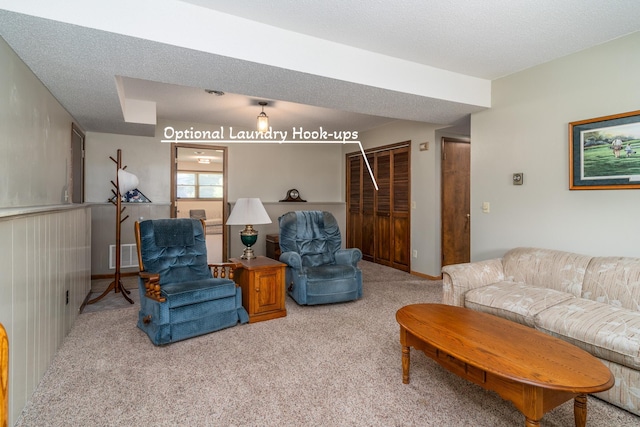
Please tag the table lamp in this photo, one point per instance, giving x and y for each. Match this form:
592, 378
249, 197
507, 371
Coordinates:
247, 212
126, 182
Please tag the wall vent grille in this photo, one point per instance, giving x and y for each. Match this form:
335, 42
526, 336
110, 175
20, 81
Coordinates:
128, 256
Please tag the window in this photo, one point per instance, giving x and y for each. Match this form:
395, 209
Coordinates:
200, 185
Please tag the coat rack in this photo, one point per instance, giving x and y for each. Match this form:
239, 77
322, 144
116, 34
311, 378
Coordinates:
116, 285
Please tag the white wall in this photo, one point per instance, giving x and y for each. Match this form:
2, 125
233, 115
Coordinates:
269, 170
145, 157
526, 130
259, 170
44, 241
425, 187
35, 138
254, 170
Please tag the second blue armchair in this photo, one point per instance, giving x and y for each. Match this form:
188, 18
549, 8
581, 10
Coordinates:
318, 270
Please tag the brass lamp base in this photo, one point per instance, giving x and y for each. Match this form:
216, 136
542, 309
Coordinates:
248, 254
248, 236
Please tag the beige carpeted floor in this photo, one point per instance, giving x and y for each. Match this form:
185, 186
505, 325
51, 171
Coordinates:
331, 365
112, 299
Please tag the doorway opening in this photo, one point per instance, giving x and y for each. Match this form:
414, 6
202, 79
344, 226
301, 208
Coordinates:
77, 164
199, 191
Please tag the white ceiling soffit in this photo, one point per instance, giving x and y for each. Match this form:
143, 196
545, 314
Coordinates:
135, 109
413, 60
487, 39
195, 105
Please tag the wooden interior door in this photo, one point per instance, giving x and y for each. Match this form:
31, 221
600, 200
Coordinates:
360, 207
382, 231
378, 222
354, 204
455, 214
400, 211
368, 211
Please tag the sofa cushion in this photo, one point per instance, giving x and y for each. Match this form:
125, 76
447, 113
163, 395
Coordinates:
546, 268
197, 291
329, 272
514, 301
607, 332
613, 280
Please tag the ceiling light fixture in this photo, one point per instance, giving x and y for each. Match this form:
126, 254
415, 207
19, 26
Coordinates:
204, 161
263, 119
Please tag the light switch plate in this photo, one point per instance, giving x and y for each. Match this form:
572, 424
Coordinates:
518, 178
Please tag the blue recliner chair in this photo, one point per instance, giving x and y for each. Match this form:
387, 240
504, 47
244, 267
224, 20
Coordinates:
180, 297
318, 270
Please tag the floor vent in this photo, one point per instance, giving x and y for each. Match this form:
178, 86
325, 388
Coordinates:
128, 256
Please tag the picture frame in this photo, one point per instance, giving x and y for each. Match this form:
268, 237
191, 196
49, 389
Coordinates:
132, 196
604, 152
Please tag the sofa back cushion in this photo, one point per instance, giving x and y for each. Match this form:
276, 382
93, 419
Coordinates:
613, 280
546, 268
174, 248
315, 235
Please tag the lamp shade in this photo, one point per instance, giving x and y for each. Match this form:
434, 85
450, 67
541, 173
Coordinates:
248, 211
263, 119
263, 122
126, 181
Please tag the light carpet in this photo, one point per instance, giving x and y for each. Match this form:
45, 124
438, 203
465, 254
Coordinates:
331, 365
112, 299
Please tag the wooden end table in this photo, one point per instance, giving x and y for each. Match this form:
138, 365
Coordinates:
262, 283
533, 370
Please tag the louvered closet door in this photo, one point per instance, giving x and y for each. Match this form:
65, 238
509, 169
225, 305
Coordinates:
379, 221
383, 235
354, 202
368, 212
400, 214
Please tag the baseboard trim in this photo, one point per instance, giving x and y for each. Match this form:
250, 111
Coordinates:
425, 276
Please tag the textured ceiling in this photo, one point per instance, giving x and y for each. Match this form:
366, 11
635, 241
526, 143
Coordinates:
487, 40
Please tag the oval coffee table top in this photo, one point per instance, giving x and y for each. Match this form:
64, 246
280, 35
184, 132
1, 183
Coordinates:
505, 348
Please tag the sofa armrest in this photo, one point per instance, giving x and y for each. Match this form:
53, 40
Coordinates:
292, 259
349, 256
457, 279
152, 286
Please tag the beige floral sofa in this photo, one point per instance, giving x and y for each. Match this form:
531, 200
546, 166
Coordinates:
591, 302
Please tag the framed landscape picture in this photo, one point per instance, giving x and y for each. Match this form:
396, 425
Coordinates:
604, 153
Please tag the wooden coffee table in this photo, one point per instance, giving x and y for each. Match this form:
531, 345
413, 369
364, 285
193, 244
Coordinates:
535, 371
